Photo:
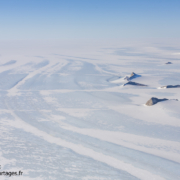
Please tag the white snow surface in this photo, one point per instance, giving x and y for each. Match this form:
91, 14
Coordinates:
64, 113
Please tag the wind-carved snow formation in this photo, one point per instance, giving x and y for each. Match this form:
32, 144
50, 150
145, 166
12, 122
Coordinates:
68, 116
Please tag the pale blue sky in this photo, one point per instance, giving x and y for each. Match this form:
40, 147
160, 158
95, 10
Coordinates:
84, 19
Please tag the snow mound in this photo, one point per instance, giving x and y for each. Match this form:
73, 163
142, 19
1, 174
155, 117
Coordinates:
9, 63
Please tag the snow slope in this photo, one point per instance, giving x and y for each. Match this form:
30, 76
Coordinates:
64, 113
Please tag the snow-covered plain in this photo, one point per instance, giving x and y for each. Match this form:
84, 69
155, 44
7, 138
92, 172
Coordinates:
65, 114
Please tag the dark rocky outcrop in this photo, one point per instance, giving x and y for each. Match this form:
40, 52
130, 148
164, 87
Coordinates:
154, 100
171, 86
168, 63
132, 76
134, 83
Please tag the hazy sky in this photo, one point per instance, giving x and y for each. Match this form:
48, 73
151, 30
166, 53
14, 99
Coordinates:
75, 19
